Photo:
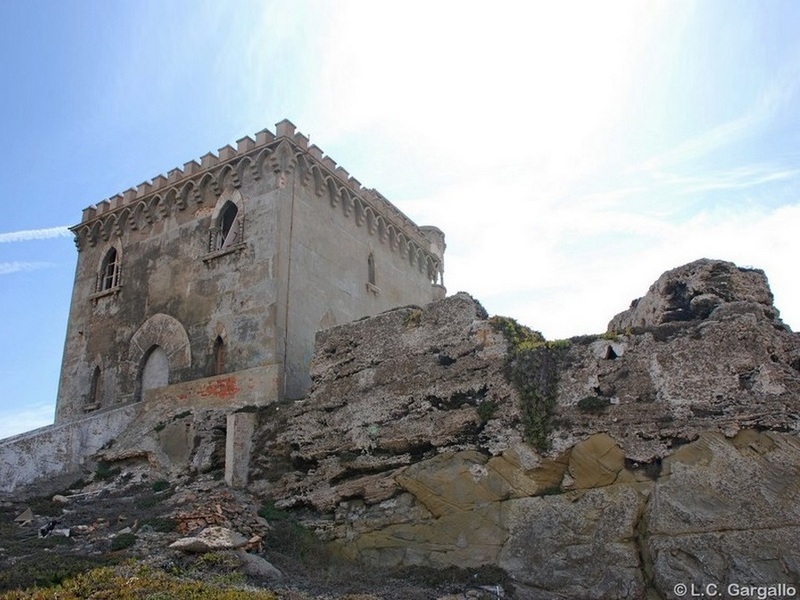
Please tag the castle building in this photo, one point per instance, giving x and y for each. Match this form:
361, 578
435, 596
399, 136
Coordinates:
214, 279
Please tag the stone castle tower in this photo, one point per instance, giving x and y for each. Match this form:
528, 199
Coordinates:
213, 280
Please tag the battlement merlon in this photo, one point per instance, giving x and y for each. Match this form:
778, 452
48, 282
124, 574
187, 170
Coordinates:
248, 148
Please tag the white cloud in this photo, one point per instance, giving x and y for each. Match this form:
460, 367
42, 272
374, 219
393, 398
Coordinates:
26, 235
20, 421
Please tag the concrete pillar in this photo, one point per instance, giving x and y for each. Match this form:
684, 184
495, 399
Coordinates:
238, 445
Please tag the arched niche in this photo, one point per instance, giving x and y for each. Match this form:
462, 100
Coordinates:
155, 370
164, 341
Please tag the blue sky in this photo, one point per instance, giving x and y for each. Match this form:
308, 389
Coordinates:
571, 151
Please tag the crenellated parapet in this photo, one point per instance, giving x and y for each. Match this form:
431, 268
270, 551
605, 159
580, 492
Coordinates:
281, 154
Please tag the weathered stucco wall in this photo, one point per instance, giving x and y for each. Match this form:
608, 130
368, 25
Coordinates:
232, 296
329, 274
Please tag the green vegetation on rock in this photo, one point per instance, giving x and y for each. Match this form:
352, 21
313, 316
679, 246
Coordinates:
105, 471
593, 405
533, 371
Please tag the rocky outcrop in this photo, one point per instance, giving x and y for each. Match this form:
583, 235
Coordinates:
695, 291
669, 453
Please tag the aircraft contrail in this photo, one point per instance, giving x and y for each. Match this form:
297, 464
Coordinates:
34, 234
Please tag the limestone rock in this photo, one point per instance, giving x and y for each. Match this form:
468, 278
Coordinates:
727, 510
694, 291
388, 392
673, 448
577, 545
258, 567
211, 539
596, 462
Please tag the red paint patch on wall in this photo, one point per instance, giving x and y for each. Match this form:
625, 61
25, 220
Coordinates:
224, 388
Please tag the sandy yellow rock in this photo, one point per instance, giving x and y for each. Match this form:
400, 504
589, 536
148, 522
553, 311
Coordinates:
596, 462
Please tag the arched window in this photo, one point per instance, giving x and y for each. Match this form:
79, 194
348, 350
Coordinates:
109, 271
228, 229
218, 357
371, 269
95, 392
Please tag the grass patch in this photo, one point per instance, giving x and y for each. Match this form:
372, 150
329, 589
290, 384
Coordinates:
32, 571
519, 337
134, 583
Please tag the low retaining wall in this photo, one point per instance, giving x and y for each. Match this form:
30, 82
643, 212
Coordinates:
56, 451
50, 456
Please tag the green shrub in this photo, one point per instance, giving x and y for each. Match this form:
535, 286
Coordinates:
519, 336
105, 471
160, 485
347, 456
533, 370
593, 405
272, 513
486, 410
413, 319
534, 373
162, 525
287, 536
122, 541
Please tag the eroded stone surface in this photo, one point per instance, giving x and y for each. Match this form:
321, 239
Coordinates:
211, 539
410, 450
